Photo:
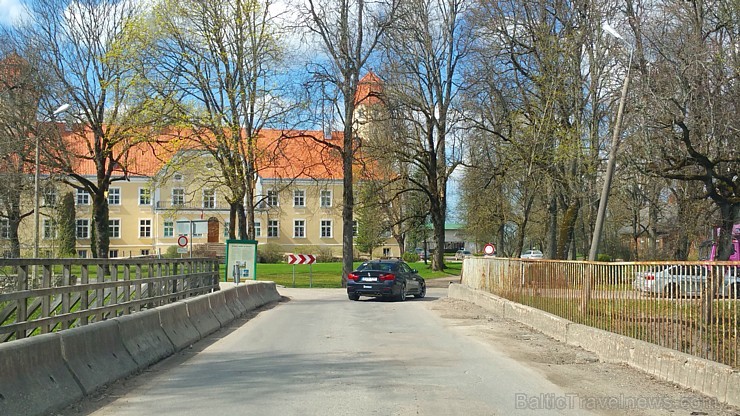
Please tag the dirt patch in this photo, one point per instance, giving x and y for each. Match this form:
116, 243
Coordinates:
442, 282
610, 389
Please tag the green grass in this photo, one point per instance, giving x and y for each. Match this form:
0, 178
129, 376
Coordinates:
329, 275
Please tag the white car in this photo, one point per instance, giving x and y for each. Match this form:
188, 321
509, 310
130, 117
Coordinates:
461, 254
532, 254
686, 280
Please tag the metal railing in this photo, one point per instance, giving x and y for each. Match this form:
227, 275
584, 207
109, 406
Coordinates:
45, 295
691, 307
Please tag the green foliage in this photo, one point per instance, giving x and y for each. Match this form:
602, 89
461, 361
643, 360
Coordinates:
370, 224
603, 257
270, 253
171, 253
67, 231
409, 257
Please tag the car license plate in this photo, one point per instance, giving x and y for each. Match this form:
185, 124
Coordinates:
370, 279
367, 287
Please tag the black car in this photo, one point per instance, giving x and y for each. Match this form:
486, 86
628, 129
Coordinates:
385, 278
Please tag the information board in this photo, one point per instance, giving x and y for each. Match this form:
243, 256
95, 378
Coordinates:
243, 255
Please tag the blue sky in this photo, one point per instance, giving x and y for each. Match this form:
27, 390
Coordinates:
11, 11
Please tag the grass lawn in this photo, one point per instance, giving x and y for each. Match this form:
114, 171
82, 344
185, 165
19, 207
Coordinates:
329, 275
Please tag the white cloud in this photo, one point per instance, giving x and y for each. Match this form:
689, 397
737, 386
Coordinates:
12, 12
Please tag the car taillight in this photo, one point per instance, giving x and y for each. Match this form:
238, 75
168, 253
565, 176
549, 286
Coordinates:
387, 277
352, 276
649, 277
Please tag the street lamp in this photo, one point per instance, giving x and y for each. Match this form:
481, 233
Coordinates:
612, 152
61, 109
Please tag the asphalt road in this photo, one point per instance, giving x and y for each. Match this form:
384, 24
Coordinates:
321, 354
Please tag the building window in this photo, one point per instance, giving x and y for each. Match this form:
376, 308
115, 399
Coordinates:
354, 228
145, 228
4, 228
50, 229
272, 198
257, 229
112, 254
82, 254
325, 198
226, 228
114, 196
83, 198
145, 252
299, 228
209, 198
145, 196
114, 228
273, 228
178, 197
178, 177
326, 229
299, 198
83, 229
386, 252
50, 197
169, 229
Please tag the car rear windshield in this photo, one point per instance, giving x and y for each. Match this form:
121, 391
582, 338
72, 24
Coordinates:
385, 267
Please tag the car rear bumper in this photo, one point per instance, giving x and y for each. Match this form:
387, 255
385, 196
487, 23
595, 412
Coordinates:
371, 289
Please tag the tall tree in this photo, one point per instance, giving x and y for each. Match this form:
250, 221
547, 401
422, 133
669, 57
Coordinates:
348, 32
86, 47
67, 226
217, 63
426, 52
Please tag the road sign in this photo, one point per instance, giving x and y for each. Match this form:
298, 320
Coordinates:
301, 258
182, 250
489, 249
182, 241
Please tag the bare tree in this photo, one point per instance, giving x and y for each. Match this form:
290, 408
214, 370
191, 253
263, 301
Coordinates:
86, 48
349, 32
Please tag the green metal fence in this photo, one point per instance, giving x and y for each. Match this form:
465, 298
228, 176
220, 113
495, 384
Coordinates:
45, 295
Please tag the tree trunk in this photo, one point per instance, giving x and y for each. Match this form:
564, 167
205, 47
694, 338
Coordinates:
101, 237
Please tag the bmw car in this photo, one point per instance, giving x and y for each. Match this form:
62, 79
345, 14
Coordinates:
391, 279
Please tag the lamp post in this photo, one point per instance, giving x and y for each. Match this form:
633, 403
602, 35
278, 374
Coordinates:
36, 223
612, 161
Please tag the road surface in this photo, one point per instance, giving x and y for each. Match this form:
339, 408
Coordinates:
321, 354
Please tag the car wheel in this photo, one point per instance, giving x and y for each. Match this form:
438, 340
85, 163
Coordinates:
402, 296
671, 291
422, 292
353, 296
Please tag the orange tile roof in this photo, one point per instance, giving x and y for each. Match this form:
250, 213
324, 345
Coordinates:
369, 90
281, 154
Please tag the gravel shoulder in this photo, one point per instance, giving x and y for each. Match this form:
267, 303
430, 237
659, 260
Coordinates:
592, 385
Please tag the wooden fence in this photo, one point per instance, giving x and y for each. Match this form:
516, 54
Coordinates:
45, 295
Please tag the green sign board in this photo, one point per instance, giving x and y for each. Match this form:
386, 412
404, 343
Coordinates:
241, 258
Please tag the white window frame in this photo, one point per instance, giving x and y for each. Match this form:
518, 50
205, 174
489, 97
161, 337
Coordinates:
226, 228
50, 197
4, 229
326, 198
145, 196
257, 228
113, 253
324, 225
386, 251
82, 224
273, 225
82, 197
49, 229
272, 199
299, 195
114, 196
81, 254
355, 228
209, 201
168, 226
296, 227
145, 228
180, 198
116, 228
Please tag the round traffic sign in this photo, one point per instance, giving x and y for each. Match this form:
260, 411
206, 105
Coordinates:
182, 240
489, 249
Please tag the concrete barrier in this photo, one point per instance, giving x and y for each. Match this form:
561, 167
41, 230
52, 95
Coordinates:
177, 325
201, 316
220, 310
242, 293
232, 301
96, 355
34, 379
269, 292
707, 377
144, 338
